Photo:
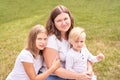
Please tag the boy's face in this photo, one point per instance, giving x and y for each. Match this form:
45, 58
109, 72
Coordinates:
78, 44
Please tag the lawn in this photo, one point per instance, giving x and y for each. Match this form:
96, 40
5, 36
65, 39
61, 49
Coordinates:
100, 18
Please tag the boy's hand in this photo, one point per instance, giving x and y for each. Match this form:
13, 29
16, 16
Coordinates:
100, 56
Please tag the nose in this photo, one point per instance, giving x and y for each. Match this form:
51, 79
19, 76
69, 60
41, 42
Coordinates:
43, 41
63, 22
79, 44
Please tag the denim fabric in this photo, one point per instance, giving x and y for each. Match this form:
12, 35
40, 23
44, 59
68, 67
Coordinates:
53, 77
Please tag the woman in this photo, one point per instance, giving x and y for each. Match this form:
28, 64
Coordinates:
58, 27
30, 60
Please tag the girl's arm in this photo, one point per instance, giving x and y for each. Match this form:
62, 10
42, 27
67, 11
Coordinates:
50, 54
29, 69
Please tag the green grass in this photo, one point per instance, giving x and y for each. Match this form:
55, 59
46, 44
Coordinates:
100, 18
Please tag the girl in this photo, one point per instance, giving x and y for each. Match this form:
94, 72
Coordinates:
29, 61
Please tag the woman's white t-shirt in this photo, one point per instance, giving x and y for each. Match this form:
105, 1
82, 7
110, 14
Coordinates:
18, 72
61, 46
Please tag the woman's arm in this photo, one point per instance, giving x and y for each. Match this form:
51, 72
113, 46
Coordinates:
31, 71
50, 54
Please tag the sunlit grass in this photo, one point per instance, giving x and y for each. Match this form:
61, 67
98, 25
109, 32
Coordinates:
101, 20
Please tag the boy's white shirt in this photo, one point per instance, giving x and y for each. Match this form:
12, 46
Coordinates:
77, 61
62, 46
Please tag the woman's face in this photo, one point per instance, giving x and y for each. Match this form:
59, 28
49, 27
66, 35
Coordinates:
41, 41
62, 22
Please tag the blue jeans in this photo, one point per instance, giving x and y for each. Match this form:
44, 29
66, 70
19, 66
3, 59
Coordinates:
54, 77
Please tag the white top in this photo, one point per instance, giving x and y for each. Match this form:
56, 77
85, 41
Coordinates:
77, 61
61, 46
18, 72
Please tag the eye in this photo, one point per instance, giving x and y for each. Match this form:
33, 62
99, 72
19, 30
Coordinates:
45, 38
66, 18
76, 41
39, 38
59, 20
81, 41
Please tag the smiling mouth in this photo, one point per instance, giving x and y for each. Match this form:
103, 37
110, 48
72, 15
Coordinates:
42, 46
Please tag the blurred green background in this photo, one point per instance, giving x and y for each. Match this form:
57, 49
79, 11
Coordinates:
100, 18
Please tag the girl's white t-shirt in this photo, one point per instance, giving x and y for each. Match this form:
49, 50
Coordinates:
18, 72
61, 46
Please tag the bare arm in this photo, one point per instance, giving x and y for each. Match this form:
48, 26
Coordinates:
50, 54
31, 71
90, 69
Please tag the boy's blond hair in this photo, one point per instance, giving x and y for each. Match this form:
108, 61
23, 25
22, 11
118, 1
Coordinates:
75, 34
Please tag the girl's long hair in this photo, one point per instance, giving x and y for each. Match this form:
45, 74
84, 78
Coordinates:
31, 43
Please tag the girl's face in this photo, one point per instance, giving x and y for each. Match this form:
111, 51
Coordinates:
41, 41
62, 22
78, 44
